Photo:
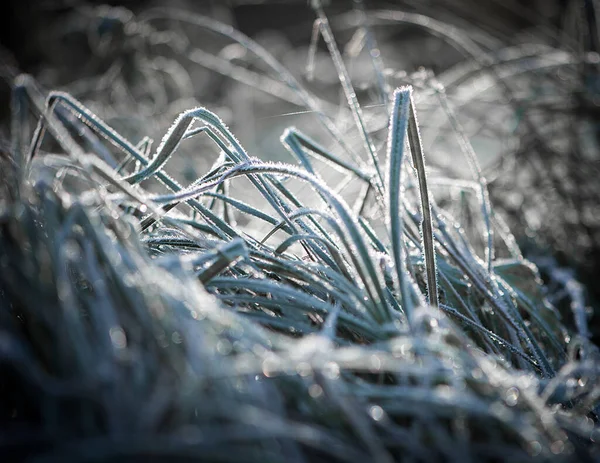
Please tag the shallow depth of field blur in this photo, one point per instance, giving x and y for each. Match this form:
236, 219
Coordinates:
351, 230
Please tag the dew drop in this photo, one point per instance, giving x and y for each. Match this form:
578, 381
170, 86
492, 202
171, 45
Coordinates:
376, 412
269, 367
117, 337
315, 391
512, 397
224, 347
535, 448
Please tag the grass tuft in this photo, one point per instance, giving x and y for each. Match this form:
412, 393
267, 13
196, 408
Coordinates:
322, 309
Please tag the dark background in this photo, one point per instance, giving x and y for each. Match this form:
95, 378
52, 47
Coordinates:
21, 21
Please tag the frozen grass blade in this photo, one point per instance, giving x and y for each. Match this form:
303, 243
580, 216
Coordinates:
353, 239
325, 29
266, 57
295, 141
374, 54
416, 148
278, 327
395, 156
468, 151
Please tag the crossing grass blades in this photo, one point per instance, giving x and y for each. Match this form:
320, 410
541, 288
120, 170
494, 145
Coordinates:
151, 326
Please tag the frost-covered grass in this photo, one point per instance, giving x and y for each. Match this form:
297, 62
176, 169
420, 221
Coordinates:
358, 310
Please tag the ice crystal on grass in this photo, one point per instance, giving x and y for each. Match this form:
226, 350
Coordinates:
274, 311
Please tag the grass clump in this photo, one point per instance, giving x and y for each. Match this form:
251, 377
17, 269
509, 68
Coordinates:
297, 317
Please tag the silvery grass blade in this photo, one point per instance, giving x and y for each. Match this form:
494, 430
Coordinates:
151, 168
395, 157
93, 121
25, 84
353, 238
226, 255
454, 36
323, 24
322, 278
296, 142
19, 133
313, 227
177, 132
301, 212
497, 298
89, 163
463, 43
288, 242
469, 153
92, 142
280, 70
219, 165
510, 275
497, 223
415, 292
504, 307
279, 297
55, 99
361, 204
246, 209
416, 149
73, 149
374, 53
330, 244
